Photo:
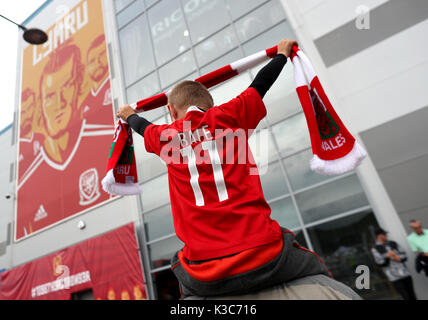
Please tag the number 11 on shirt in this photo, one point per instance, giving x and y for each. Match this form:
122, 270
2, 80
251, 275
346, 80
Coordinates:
211, 147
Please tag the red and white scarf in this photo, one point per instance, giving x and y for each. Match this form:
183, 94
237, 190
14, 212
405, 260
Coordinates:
334, 148
121, 177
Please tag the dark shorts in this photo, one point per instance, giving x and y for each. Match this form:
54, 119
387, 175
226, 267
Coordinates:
294, 262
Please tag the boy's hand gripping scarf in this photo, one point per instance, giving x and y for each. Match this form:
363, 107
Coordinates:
335, 149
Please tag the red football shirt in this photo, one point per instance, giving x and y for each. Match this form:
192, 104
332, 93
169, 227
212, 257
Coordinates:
217, 199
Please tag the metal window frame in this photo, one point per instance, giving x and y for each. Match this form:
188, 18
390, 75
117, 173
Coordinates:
124, 8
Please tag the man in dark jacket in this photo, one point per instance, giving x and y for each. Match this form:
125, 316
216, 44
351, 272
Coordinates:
390, 257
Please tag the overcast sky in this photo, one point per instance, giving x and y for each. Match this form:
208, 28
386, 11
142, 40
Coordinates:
18, 11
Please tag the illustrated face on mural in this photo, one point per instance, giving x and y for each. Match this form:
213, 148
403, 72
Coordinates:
28, 106
60, 88
97, 64
59, 98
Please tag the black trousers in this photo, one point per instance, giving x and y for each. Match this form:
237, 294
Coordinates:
293, 262
405, 288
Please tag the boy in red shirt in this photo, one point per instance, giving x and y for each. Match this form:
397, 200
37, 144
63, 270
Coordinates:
232, 246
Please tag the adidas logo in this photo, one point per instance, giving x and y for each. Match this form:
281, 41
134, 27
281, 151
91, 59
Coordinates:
41, 213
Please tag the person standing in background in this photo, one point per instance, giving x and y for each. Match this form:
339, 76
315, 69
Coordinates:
418, 241
390, 257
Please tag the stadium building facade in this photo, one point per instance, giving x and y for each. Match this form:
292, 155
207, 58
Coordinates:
372, 66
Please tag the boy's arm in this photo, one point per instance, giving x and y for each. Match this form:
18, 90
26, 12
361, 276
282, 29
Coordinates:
267, 76
138, 124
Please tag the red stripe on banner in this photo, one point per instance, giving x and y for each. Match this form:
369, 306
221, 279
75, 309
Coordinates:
109, 264
218, 76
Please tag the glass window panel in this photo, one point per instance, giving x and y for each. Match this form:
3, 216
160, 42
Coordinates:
343, 245
222, 61
168, 118
284, 212
262, 148
299, 171
161, 252
280, 105
120, 4
331, 199
150, 2
292, 134
259, 20
192, 76
159, 223
205, 17
230, 89
148, 164
169, 32
137, 55
129, 13
281, 100
240, 7
154, 114
273, 181
269, 38
155, 193
216, 45
177, 69
149, 167
161, 120
145, 88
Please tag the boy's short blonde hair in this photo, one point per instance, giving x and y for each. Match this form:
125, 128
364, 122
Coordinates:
190, 93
